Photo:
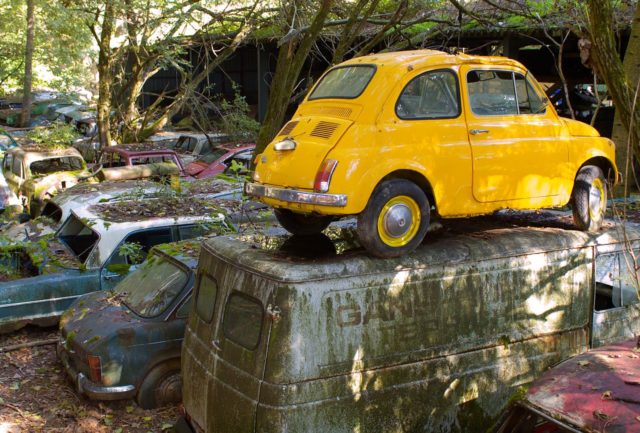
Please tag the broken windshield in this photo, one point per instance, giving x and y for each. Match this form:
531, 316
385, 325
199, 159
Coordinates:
54, 165
345, 82
152, 287
78, 237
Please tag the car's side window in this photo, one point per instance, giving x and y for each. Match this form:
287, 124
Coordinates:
432, 95
492, 93
134, 249
8, 159
529, 101
617, 282
16, 167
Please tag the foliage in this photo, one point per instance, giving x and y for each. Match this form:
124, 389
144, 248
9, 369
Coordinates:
133, 251
234, 119
62, 46
57, 136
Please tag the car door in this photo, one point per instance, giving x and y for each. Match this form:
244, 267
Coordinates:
518, 149
130, 253
616, 313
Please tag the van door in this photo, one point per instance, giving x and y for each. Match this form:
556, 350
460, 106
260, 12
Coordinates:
225, 349
616, 314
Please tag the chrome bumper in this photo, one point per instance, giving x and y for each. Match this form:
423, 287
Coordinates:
295, 196
90, 389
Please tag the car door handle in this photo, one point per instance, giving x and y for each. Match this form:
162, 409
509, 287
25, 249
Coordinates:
479, 131
110, 275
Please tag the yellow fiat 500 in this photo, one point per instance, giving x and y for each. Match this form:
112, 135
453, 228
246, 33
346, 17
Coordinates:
396, 138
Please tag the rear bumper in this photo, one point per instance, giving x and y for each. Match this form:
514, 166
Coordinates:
88, 388
295, 196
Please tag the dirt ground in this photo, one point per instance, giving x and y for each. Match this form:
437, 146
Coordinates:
35, 396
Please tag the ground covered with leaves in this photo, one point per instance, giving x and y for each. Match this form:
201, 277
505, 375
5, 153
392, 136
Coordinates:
35, 395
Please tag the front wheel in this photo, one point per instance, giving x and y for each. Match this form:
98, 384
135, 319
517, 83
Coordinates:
395, 220
162, 386
302, 224
589, 198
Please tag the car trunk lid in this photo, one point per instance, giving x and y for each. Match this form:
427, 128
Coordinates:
315, 136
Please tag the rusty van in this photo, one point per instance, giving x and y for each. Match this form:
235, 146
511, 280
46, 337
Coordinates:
436, 341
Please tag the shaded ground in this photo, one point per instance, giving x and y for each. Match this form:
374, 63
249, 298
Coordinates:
35, 396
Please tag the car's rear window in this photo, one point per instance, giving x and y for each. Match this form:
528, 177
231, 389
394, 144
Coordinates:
344, 82
242, 321
153, 286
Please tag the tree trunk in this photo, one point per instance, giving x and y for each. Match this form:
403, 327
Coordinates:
105, 60
28, 66
606, 61
620, 135
291, 58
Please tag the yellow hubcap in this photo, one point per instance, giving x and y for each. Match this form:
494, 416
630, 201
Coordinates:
398, 221
597, 200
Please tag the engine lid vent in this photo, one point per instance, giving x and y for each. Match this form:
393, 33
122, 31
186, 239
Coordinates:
324, 129
286, 130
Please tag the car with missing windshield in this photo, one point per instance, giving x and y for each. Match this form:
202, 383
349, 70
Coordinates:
95, 248
37, 173
221, 158
400, 138
126, 342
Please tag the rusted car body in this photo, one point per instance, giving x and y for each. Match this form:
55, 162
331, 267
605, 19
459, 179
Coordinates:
138, 154
86, 253
126, 342
34, 173
221, 158
593, 392
436, 341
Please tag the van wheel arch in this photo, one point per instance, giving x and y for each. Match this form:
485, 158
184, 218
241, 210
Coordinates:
417, 178
162, 385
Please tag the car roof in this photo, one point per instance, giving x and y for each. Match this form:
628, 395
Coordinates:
36, 152
422, 58
140, 149
593, 389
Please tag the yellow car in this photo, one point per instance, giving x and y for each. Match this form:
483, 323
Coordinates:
396, 138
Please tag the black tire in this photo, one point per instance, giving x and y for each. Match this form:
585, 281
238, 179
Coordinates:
389, 238
161, 386
589, 201
301, 224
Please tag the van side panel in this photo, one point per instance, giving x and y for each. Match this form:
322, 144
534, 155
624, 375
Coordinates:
401, 351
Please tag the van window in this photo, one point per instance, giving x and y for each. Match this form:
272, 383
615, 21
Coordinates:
432, 95
617, 282
206, 301
242, 321
7, 163
16, 167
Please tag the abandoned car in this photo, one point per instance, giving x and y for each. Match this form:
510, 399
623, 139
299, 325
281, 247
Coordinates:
35, 173
396, 138
94, 249
138, 154
220, 159
126, 342
438, 340
594, 392
192, 146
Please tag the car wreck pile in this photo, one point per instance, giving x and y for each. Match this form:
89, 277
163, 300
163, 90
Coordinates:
162, 294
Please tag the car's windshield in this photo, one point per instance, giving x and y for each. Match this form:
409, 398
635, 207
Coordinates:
152, 287
212, 156
54, 165
78, 237
346, 82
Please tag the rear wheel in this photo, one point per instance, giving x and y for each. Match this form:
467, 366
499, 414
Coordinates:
395, 220
589, 198
302, 224
162, 386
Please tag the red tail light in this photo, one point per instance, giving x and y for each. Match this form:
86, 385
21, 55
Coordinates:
323, 177
95, 368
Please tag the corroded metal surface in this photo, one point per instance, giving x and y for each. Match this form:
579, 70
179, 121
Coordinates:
595, 391
438, 340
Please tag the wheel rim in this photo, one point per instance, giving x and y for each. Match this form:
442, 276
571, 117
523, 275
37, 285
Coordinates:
597, 197
169, 389
398, 221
